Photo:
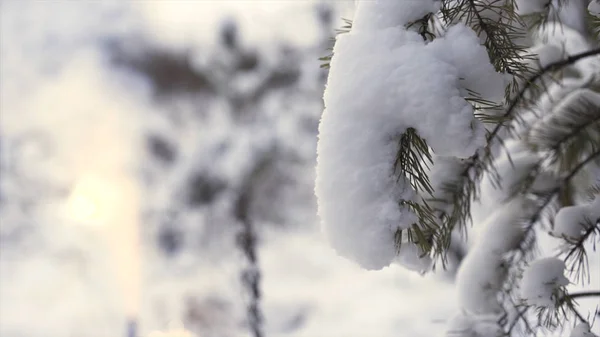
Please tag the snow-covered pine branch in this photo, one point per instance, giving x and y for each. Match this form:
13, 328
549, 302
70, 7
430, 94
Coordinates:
442, 112
385, 85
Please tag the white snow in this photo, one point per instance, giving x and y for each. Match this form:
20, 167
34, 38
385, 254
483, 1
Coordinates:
483, 271
479, 280
461, 48
548, 54
571, 42
582, 330
380, 84
541, 282
570, 14
594, 7
466, 325
413, 258
573, 221
525, 7
513, 165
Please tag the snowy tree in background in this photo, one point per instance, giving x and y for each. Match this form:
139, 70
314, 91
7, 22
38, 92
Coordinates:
226, 153
442, 114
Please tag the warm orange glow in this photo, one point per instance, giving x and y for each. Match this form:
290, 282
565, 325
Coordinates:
108, 201
91, 201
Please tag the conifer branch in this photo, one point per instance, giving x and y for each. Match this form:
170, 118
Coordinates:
479, 162
520, 255
531, 81
584, 294
576, 256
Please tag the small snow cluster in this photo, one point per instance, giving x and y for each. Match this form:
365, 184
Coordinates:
463, 325
542, 281
594, 7
556, 41
572, 222
412, 257
513, 165
527, 7
582, 330
383, 80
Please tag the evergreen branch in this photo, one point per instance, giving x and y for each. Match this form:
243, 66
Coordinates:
584, 294
575, 131
491, 43
479, 161
576, 258
573, 120
346, 28
554, 192
531, 81
423, 27
413, 152
528, 238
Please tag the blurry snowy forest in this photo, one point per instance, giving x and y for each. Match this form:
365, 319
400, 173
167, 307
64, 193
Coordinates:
158, 165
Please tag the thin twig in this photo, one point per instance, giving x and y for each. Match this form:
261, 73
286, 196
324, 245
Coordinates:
584, 294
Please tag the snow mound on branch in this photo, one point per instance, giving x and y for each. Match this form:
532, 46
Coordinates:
542, 281
483, 272
594, 7
582, 330
413, 258
572, 222
464, 325
383, 80
570, 42
527, 7
514, 166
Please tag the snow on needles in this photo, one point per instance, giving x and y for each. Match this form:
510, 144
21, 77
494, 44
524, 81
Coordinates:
542, 281
383, 80
582, 330
573, 222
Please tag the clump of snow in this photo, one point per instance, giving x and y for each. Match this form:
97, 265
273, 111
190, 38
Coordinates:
383, 80
573, 221
503, 228
466, 325
526, 7
513, 166
484, 270
582, 330
594, 7
548, 54
571, 14
570, 41
479, 280
461, 48
412, 257
542, 281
